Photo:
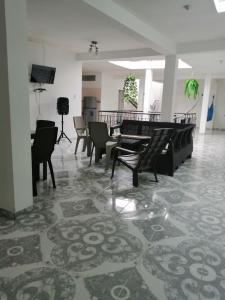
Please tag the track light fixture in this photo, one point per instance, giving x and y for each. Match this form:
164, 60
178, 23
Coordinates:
93, 48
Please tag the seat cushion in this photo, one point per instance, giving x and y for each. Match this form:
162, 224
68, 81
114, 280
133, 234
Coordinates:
130, 160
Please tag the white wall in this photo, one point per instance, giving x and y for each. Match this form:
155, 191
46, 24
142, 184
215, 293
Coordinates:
92, 84
110, 91
219, 108
111, 85
68, 83
157, 92
182, 104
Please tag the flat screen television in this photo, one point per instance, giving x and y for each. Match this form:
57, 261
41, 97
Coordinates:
42, 74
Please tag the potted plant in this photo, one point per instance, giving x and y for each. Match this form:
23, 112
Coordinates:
130, 91
191, 91
191, 87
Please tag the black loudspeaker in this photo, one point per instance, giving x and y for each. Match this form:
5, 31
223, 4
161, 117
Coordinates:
63, 109
63, 106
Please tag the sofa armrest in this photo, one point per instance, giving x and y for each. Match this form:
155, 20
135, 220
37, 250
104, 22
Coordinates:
126, 150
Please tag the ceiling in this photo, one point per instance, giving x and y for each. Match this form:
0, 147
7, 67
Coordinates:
201, 22
72, 24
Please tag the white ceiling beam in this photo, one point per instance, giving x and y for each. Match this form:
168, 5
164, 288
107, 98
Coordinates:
201, 46
123, 54
156, 40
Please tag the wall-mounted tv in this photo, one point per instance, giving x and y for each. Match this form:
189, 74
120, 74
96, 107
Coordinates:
42, 74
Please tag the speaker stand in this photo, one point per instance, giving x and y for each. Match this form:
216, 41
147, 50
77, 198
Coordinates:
62, 134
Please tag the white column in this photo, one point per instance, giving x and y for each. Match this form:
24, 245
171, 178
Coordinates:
15, 149
205, 103
169, 87
148, 93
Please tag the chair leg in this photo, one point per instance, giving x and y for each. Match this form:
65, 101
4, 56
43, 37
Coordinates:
92, 149
77, 144
155, 172
34, 183
113, 167
135, 178
34, 178
84, 144
98, 154
156, 178
52, 173
108, 155
37, 171
89, 146
45, 170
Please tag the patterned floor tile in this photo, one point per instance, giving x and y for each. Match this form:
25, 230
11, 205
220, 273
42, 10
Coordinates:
175, 196
36, 218
42, 283
192, 270
206, 221
94, 230
122, 285
157, 229
83, 207
84, 245
20, 251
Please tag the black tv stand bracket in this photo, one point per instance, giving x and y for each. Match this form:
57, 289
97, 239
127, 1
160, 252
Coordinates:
40, 90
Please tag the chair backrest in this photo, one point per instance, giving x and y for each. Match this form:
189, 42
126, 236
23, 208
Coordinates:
44, 123
44, 142
159, 140
79, 125
98, 133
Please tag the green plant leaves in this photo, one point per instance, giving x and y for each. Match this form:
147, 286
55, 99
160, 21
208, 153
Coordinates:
191, 87
130, 92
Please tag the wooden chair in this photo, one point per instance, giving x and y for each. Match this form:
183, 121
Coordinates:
145, 159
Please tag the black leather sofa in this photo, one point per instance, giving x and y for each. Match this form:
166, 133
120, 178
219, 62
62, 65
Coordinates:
179, 149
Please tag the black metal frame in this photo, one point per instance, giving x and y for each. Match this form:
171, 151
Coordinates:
62, 133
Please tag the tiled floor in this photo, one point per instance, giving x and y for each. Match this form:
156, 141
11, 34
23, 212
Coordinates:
93, 239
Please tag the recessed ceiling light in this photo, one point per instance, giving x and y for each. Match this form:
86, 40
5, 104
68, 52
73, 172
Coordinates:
220, 5
147, 64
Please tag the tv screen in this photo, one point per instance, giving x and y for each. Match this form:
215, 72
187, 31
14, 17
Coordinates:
42, 74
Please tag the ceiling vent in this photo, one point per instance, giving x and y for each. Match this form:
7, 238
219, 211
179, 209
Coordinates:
89, 78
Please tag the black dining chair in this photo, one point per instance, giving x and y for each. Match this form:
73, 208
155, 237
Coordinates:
145, 159
42, 124
42, 148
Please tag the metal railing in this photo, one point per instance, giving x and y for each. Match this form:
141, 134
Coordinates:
186, 118
115, 117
